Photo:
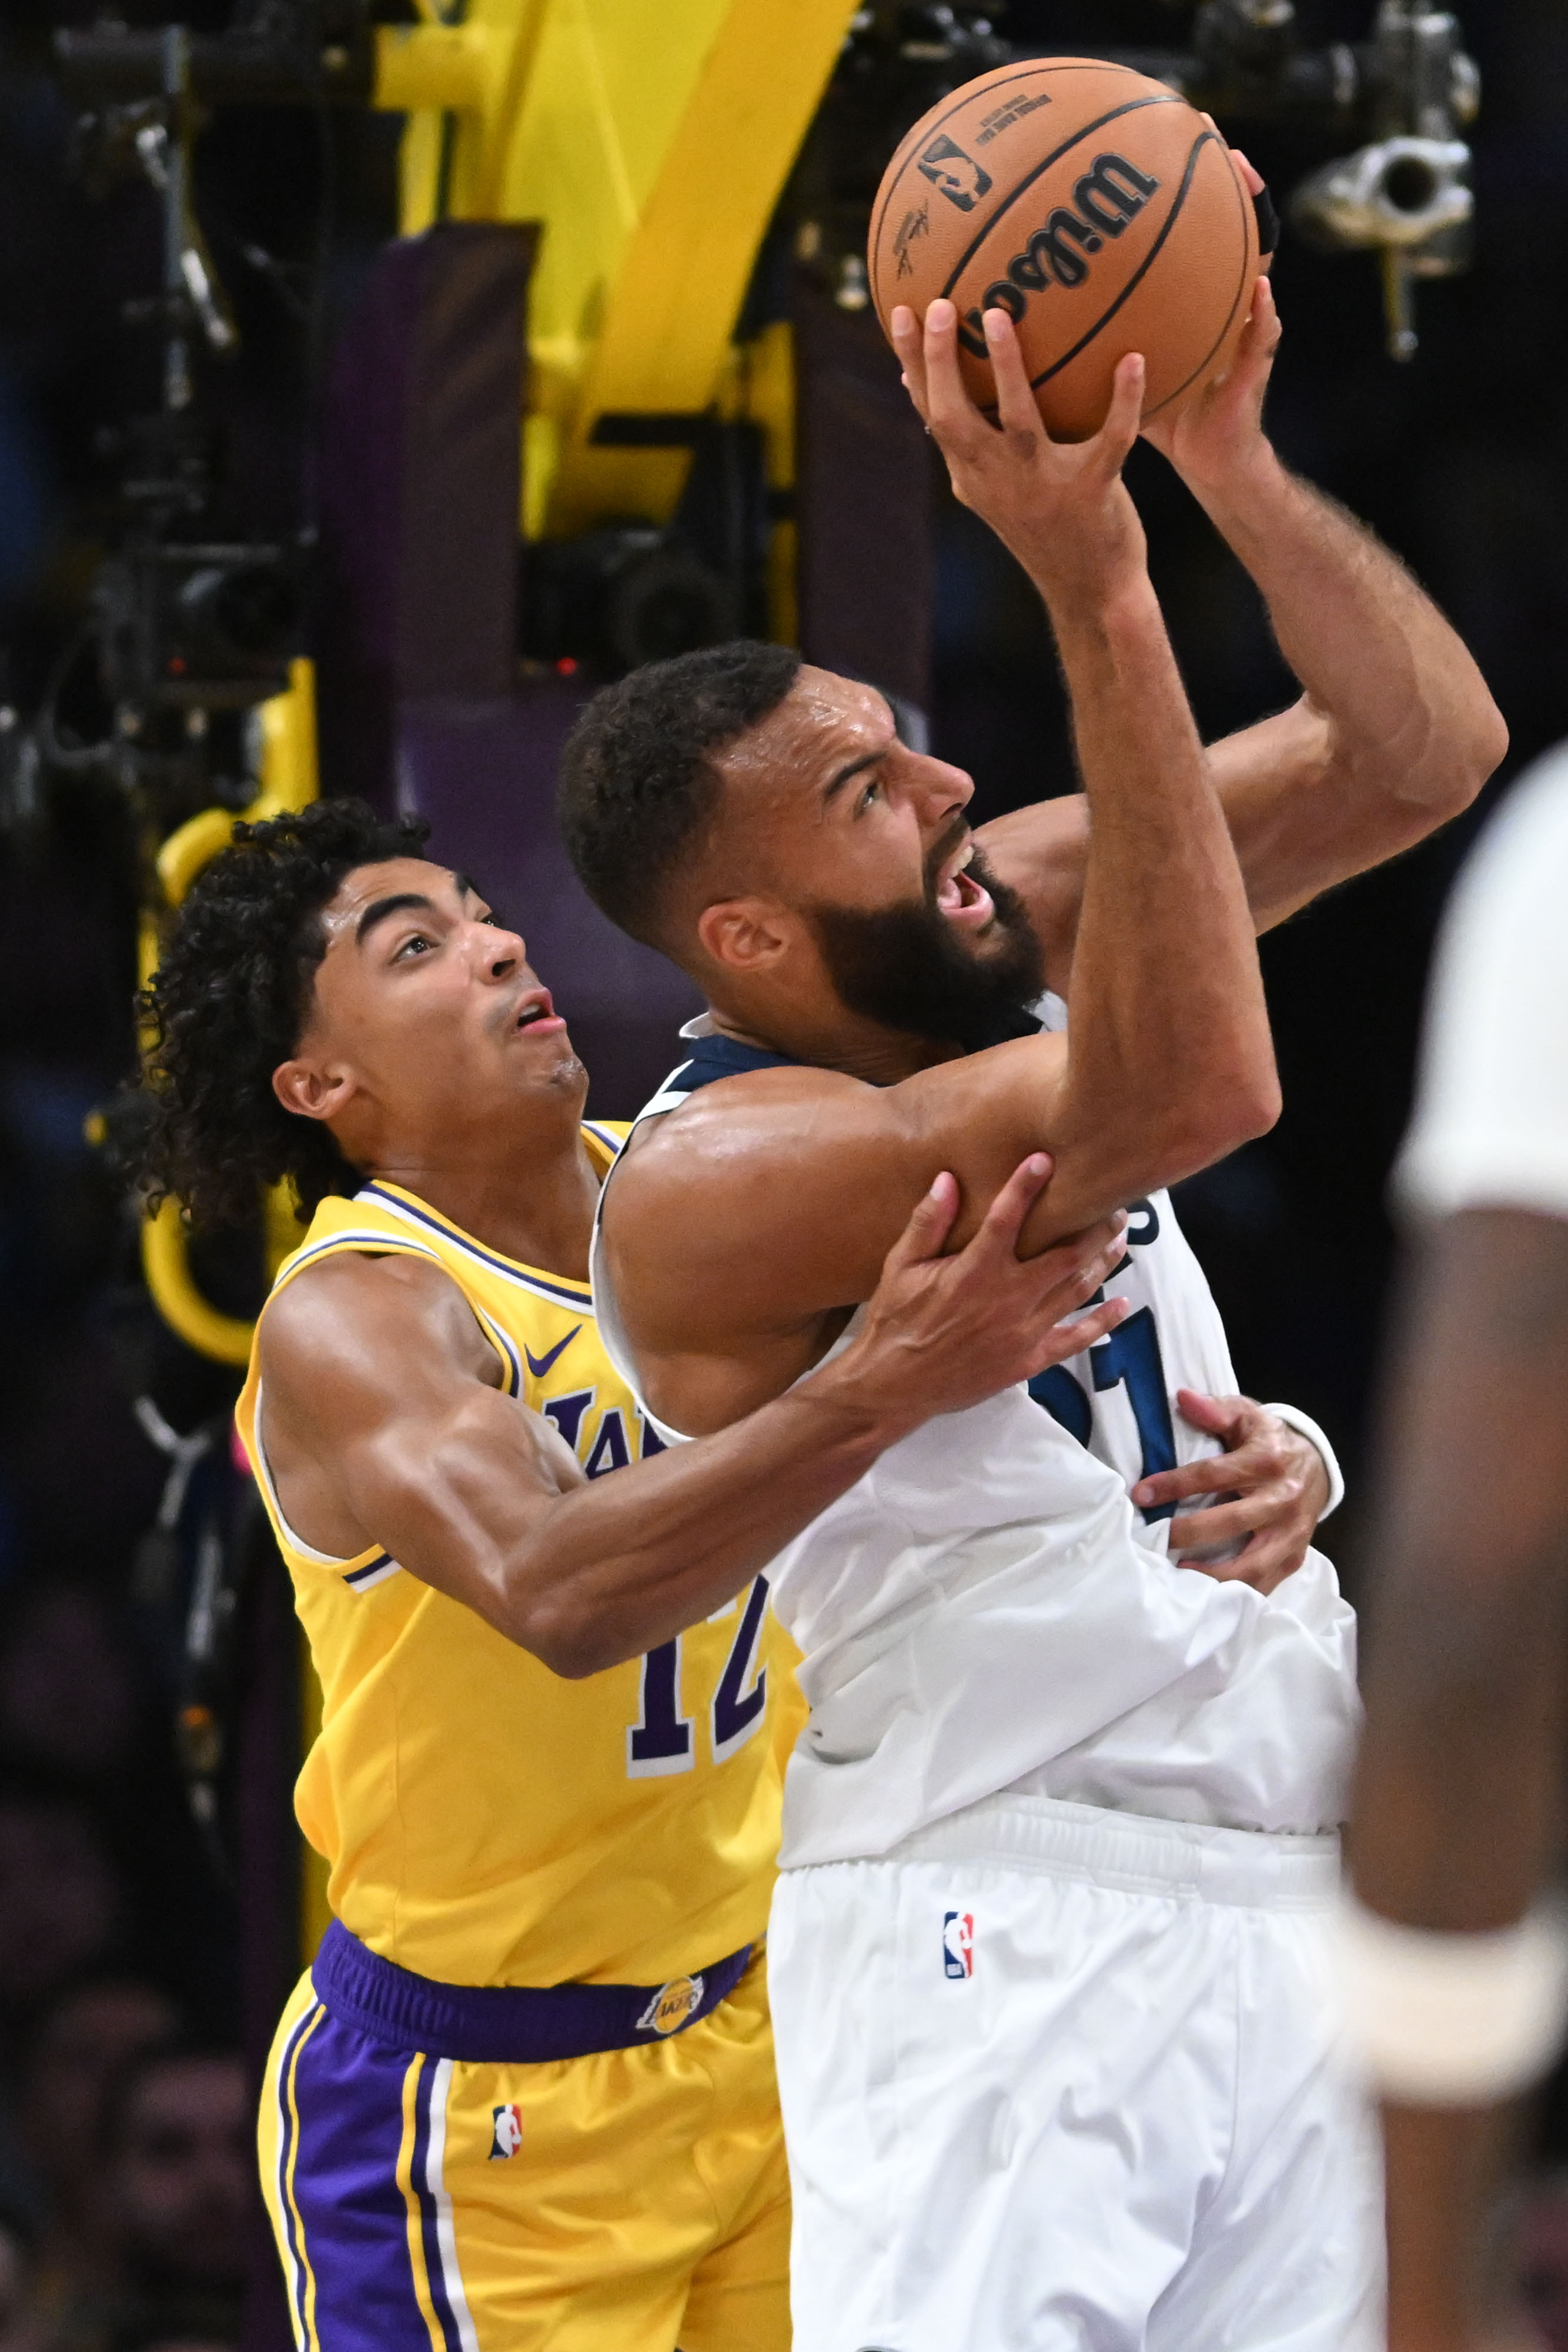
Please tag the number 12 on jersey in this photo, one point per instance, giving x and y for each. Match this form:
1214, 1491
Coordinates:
662, 1740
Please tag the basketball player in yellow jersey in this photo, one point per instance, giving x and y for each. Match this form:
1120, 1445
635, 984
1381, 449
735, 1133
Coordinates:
525, 2097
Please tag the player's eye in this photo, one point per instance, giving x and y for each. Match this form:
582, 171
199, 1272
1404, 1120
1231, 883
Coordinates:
868, 793
419, 943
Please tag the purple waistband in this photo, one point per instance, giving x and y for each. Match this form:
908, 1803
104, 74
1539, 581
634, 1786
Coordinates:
522, 2025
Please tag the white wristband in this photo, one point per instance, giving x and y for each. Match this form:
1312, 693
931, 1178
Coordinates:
1305, 1426
1439, 2021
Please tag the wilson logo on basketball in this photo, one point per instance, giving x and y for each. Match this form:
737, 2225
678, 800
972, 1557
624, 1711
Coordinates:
1111, 193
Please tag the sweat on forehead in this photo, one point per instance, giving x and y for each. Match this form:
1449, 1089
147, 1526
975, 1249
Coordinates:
824, 723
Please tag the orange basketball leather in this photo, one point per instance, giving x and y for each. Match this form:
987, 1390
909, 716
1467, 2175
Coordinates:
1096, 208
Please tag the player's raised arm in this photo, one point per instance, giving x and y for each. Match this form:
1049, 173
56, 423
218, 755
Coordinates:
384, 1426
1396, 732
1169, 1060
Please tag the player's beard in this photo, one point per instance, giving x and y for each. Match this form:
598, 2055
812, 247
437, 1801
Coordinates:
906, 967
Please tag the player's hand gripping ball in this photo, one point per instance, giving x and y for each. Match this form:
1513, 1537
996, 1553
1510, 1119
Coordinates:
1094, 205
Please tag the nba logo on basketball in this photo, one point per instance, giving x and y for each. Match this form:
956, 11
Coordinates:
508, 2136
958, 1944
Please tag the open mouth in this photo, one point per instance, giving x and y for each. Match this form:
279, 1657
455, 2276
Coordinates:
960, 897
538, 1011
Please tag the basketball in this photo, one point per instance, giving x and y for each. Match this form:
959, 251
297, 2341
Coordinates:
1097, 208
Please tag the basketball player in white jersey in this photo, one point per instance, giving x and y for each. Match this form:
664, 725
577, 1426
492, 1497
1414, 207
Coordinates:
1058, 1838
1456, 1952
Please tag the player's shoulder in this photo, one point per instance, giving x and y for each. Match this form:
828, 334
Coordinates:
348, 1311
714, 1116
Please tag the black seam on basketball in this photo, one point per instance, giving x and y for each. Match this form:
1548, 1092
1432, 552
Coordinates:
1133, 106
1248, 272
1204, 140
963, 98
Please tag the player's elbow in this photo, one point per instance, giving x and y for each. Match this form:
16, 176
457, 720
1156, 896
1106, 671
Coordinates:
570, 1635
563, 1638
1484, 751
1464, 746
1233, 1110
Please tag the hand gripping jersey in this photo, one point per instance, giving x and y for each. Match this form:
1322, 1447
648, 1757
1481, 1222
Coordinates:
985, 1610
485, 1821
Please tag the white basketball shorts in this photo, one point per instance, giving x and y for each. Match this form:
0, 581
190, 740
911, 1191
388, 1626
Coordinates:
1064, 2079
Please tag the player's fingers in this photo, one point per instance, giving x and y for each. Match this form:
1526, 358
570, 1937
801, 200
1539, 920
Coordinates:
1264, 1561
1260, 336
1216, 1414
1249, 173
1176, 1485
1088, 1257
911, 350
999, 1228
1123, 418
951, 414
1061, 1342
1226, 1523
930, 1222
1015, 401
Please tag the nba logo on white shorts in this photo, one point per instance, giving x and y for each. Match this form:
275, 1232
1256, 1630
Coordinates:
958, 1944
508, 2137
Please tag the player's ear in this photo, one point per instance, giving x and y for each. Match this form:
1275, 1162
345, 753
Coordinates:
744, 934
312, 1088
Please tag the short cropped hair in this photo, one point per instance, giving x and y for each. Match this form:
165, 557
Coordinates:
230, 1001
638, 784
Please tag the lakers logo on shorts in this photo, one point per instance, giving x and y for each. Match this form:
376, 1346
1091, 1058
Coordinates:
671, 2006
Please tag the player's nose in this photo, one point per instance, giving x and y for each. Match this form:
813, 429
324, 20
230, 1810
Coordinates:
503, 952
944, 792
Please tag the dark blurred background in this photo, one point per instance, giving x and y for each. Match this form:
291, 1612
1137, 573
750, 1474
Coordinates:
120, 2115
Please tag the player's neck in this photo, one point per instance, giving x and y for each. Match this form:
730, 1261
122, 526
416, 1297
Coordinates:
534, 1203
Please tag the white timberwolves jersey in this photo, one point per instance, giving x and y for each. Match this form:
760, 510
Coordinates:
983, 1611
1119, 1398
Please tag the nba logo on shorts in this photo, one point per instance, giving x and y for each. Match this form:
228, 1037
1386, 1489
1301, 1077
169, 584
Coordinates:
508, 2136
958, 1944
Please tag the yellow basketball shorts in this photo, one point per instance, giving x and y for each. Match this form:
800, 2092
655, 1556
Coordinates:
634, 2201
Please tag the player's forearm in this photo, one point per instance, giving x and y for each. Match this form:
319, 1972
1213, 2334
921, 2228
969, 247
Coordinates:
1169, 1060
620, 1565
1408, 710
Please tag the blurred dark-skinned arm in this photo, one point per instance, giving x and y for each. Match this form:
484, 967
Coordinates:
1454, 1950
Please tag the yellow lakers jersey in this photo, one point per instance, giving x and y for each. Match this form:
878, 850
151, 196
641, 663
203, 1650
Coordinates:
483, 1820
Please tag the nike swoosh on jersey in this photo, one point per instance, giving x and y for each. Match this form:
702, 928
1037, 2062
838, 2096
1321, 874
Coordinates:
540, 1365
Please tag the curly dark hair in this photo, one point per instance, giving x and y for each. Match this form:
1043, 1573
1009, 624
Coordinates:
638, 786
227, 1004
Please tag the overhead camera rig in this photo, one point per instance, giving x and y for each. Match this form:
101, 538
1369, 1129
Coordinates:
193, 627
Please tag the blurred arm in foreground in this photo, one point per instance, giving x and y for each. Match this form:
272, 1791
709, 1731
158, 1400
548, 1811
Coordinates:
1455, 1955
